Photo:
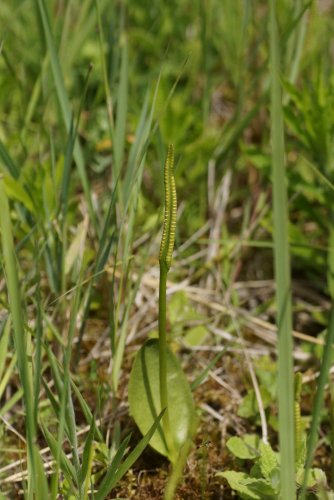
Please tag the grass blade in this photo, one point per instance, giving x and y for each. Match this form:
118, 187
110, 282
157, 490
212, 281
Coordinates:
4, 339
20, 337
319, 400
111, 480
122, 99
9, 163
108, 480
282, 273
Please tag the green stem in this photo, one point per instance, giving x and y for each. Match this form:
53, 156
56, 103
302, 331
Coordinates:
165, 259
163, 353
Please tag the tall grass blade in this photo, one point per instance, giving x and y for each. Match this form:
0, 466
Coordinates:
122, 100
297, 38
21, 341
319, 400
282, 272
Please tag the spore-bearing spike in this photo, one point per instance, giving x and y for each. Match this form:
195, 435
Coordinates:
168, 233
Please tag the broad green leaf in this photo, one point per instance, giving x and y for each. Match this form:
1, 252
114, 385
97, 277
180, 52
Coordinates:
263, 488
144, 397
236, 481
241, 449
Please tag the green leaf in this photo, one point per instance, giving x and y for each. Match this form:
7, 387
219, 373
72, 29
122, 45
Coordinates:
144, 397
8, 162
65, 464
15, 191
249, 488
4, 340
87, 452
40, 477
241, 449
109, 479
315, 477
236, 481
262, 488
268, 461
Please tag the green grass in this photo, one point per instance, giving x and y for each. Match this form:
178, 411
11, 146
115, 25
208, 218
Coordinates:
91, 94
282, 271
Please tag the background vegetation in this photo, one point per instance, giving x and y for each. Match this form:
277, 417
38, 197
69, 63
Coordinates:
91, 94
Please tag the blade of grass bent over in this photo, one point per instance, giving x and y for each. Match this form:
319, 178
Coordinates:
282, 273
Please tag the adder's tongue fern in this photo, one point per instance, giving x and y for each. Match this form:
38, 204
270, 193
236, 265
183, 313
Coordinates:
168, 234
165, 259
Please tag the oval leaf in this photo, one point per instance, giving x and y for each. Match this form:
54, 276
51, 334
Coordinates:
144, 397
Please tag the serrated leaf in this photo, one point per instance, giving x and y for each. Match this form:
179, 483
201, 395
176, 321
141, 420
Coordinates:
262, 487
144, 397
268, 460
236, 481
249, 488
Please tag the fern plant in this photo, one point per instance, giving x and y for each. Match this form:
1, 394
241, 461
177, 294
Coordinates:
157, 381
